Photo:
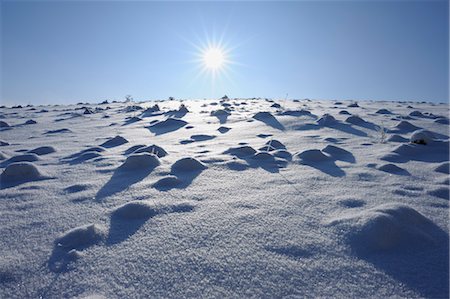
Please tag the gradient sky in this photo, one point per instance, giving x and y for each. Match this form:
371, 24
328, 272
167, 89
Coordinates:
67, 52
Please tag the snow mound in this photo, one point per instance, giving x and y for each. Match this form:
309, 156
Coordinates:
344, 112
353, 105
140, 209
140, 161
81, 237
241, 151
387, 227
275, 105
283, 154
135, 210
442, 121
151, 110
422, 137
443, 168
405, 149
339, 153
168, 182
416, 114
187, 165
167, 125
297, 113
116, 141
87, 156
97, 149
356, 120
76, 188
30, 122
19, 172
406, 126
152, 149
263, 157
43, 150
223, 130
220, 112
274, 144
326, 120
397, 138
24, 158
393, 169
383, 111
64, 130
3, 124
312, 155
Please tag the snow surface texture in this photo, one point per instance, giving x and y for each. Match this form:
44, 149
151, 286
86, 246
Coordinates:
225, 198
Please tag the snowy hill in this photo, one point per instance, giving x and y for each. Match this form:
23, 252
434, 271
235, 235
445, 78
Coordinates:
225, 198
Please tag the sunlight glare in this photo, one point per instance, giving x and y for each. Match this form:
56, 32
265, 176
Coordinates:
213, 58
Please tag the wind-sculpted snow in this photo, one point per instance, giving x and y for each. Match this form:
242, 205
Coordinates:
225, 198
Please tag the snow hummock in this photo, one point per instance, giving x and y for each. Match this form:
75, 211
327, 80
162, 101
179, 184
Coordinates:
43, 150
422, 137
116, 141
20, 172
152, 149
135, 210
140, 161
187, 164
312, 155
326, 120
279, 206
386, 227
393, 169
141, 209
81, 236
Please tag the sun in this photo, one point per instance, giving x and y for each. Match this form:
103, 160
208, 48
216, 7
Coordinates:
214, 58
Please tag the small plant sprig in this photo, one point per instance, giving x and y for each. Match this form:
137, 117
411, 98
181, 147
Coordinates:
382, 132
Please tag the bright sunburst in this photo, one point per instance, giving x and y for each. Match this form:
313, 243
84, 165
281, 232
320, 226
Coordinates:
213, 61
213, 58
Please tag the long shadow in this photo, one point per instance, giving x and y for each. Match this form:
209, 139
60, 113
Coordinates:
121, 180
177, 180
86, 157
121, 229
298, 113
340, 154
346, 128
264, 161
222, 118
327, 167
61, 257
425, 270
132, 149
197, 138
269, 119
434, 153
166, 126
5, 184
131, 120
59, 260
97, 149
366, 124
176, 113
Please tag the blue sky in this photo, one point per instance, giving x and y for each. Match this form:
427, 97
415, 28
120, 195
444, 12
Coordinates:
66, 52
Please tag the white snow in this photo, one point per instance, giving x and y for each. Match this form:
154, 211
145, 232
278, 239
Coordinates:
225, 198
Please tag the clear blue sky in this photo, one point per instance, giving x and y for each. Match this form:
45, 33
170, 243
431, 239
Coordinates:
62, 52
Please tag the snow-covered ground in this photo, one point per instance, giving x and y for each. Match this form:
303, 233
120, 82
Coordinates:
225, 198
